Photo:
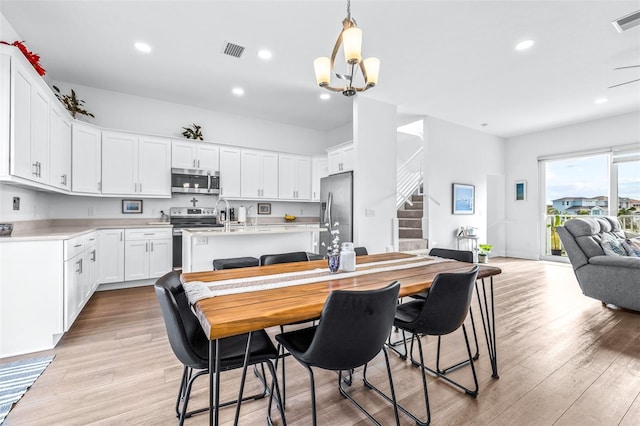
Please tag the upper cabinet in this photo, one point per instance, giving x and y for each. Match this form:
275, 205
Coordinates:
36, 130
294, 180
259, 174
144, 165
86, 158
195, 155
60, 152
340, 158
229, 171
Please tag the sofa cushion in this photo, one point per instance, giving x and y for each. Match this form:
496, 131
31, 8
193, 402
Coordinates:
633, 246
612, 246
586, 232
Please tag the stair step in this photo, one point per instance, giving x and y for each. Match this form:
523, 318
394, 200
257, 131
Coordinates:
416, 206
410, 223
410, 244
417, 198
409, 214
410, 233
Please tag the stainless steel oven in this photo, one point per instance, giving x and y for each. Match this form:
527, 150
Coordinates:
187, 217
194, 181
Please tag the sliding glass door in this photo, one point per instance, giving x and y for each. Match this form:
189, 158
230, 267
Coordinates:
605, 183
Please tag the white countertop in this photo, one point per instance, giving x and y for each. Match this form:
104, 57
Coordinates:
68, 232
251, 230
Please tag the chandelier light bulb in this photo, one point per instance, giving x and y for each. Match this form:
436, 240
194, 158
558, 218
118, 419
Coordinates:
372, 70
352, 44
322, 67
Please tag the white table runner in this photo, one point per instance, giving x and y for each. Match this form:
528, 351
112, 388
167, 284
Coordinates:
198, 290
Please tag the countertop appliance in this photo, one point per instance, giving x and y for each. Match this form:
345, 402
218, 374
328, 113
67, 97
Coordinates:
189, 217
336, 197
195, 181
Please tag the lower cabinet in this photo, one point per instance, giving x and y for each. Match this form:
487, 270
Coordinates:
80, 275
110, 256
148, 253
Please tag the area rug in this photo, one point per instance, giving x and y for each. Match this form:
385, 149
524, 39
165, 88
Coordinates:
16, 377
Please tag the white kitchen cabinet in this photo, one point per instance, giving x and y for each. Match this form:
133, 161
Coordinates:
195, 155
80, 277
259, 174
60, 148
135, 165
110, 256
340, 158
86, 159
294, 177
229, 171
319, 169
147, 253
30, 120
31, 296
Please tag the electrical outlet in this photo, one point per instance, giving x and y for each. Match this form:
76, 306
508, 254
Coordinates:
369, 212
16, 203
91, 211
201, 241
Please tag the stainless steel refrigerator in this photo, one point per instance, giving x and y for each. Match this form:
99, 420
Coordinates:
336, 197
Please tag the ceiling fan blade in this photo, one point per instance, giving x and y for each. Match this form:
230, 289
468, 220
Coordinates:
624, 68
622, 84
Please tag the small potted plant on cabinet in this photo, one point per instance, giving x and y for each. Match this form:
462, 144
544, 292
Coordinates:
483, 252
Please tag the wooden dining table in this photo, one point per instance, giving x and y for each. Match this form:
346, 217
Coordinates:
246, 311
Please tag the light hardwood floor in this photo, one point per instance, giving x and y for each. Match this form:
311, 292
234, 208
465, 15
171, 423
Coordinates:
564, 359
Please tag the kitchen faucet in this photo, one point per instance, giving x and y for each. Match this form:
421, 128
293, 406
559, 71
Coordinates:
255, 218
227, 221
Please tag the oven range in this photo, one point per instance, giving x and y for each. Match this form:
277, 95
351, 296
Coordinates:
189, 217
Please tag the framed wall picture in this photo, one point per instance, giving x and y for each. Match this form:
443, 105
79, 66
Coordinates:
521, 190
131, 206
264, 208
463, 198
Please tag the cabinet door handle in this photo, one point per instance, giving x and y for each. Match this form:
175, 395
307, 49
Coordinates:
93, 255
151, 245
146, 247
121, 235
35, 169
79, 263
194, 163
140, 186
198, 163
77, 245
99, 186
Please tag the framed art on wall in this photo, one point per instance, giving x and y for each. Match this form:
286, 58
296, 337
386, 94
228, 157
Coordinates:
264, 208
131, 206
463, 198
520, 190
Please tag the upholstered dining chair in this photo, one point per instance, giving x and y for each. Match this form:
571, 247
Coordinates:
296, 256
442, 312
352, 330
191, 346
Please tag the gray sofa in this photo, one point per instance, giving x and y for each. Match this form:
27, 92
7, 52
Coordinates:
611, 279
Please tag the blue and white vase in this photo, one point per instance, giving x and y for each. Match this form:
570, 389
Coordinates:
334, 262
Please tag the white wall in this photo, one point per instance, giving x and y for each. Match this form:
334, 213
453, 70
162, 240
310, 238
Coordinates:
456, 154
33, 204
374, 178
524, 217
134, 113
7, 32
340, 135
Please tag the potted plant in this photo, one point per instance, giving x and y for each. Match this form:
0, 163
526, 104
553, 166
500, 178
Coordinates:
193, 132
483, 252
72, 103
556, 246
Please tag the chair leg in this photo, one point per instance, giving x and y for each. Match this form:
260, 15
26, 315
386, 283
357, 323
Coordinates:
275, 393
183, 386
313, 395
461, 363
393, 401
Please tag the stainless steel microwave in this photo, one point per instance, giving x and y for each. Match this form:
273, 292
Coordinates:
193, 181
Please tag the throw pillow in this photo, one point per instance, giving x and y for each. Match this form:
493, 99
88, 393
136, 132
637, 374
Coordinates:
633, 246
612, 246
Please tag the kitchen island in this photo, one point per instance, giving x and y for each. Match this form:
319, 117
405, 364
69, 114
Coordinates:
200, 246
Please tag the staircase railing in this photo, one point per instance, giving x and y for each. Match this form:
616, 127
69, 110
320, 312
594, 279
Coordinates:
409, 178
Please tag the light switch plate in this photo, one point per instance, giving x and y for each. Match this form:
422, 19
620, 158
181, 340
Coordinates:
16, 203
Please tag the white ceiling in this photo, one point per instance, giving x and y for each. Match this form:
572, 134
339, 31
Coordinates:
454, 60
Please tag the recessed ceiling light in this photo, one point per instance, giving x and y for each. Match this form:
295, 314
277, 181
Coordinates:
600, 101
142, 47
264, 54
238, 91
325, 96
524, 45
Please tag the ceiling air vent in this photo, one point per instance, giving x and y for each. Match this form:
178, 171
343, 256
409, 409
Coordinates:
231, 49
629, 21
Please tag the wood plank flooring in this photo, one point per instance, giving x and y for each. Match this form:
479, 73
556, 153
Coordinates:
563, 358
